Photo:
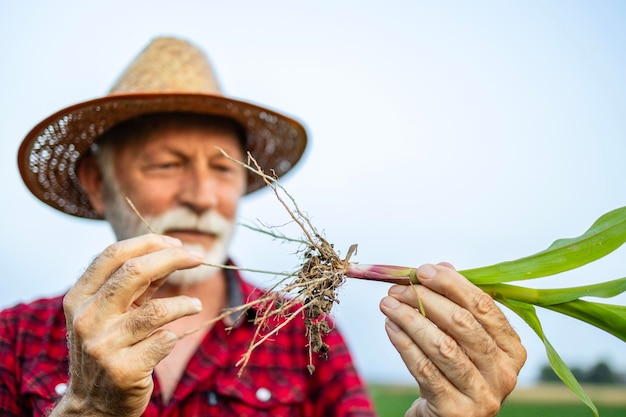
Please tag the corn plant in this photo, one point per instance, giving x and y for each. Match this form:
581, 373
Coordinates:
312, 290
603, 237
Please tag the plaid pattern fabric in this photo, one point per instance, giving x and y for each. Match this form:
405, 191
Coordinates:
34, 369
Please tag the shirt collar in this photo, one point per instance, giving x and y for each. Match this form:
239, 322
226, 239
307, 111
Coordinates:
238, 292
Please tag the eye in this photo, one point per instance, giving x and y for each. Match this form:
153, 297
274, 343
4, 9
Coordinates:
163, 167
168, 165
223, 167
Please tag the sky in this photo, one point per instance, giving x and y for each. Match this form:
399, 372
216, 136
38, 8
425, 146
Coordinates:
467, 132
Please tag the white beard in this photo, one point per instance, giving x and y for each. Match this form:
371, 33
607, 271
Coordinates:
126, 224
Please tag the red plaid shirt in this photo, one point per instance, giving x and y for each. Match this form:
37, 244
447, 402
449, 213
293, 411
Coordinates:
34, 371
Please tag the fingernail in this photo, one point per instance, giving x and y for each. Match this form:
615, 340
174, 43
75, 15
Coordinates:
197, 255
173, 241
426, 271
396, 289
197, 303
391, 325
390, 302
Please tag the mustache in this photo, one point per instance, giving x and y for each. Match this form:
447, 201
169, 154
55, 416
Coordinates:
210, 222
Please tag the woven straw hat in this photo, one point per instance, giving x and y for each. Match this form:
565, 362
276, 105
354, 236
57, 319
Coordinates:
169, 75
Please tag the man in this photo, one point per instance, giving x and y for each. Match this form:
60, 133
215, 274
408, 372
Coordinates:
155, 139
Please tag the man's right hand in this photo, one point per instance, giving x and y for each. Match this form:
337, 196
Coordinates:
113, 326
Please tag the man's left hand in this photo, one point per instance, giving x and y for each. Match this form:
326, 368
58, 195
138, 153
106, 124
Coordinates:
463, 353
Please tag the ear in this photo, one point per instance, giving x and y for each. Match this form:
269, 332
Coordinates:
90, 178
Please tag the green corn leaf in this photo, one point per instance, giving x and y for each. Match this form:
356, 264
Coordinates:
528, 314
608, 317
547, 297
604, 236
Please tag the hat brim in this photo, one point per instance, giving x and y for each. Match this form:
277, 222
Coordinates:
49, 154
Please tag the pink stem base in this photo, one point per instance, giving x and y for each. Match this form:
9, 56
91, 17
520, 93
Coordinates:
384, 273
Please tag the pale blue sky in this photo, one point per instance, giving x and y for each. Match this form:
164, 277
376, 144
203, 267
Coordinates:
471, 132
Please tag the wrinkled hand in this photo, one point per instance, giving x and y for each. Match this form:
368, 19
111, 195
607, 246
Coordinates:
464, 354
113, 326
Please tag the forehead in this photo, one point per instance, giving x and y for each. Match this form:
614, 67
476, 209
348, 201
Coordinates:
153, 127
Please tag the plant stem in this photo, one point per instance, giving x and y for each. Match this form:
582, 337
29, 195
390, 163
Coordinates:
383, 273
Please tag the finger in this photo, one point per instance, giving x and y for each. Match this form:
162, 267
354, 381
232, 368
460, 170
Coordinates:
114, 256
156, 347
147, 294
427, 375
457, 288
134, 365
138, 323
136, 275
447, 265
439, 350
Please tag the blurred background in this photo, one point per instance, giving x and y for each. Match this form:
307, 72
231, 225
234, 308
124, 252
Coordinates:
467, 132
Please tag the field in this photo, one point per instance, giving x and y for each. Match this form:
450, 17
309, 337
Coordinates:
540, 401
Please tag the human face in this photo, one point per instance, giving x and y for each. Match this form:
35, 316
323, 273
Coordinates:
182, 185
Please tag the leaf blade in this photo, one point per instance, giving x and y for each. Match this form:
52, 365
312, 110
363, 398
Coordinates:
528, 314
545, 297
604, 236
608, 317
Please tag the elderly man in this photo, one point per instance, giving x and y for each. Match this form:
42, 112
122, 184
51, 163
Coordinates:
109, 346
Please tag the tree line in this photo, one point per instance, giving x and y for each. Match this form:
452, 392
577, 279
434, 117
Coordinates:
599, 373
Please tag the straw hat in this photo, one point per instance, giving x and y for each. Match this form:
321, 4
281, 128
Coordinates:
169, 75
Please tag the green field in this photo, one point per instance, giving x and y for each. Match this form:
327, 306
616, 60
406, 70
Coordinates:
551, 402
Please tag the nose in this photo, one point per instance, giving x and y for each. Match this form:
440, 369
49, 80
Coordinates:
199, 191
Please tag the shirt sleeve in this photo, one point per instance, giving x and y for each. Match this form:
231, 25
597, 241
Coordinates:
339, 390
9, 382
